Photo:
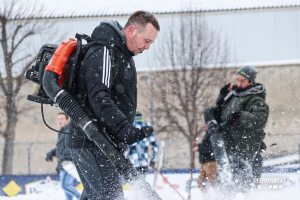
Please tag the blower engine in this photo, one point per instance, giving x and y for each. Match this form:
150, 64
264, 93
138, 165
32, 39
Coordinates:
67, 72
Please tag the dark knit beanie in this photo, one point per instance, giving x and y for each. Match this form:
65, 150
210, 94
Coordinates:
248, 72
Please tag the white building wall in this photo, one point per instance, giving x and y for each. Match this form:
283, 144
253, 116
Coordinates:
261, 35
254, 36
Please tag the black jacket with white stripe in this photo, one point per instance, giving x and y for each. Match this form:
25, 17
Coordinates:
111, 101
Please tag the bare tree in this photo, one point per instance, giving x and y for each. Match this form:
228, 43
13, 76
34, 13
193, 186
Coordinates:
192, 58
19, 29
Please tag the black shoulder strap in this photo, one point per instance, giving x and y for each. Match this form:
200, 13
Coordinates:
114, 59
84, 50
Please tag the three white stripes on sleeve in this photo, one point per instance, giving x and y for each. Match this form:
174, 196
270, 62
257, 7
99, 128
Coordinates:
106, 67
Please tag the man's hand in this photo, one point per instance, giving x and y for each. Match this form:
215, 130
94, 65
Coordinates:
195, 144
225, 90
196, 149
130, 134
49, 158
147, 131
232, 118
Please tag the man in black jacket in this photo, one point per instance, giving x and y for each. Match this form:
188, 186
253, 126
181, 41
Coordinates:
110, 95
64, 155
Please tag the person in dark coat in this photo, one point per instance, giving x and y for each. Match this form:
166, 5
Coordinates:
243, 117
111, 99
63, 154
208, 169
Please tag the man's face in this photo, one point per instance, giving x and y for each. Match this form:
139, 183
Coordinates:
242, 82
61, 120
138, 41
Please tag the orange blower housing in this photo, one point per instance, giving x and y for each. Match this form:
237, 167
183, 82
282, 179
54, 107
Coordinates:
60, 58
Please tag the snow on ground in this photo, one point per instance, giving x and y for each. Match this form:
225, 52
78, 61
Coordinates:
290, 193
289, 190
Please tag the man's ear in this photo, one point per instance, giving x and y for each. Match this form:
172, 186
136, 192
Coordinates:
132, 30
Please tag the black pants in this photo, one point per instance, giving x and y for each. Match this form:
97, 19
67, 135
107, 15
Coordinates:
257, 166
99, 177
242, 173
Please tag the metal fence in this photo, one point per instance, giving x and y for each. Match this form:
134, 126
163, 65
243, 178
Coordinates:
29, 157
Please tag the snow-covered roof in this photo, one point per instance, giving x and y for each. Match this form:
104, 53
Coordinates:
98, 8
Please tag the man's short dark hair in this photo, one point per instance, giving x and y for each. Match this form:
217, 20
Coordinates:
62, 113
141, 19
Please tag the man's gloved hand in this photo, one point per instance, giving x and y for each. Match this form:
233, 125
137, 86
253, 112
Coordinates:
49, 158
232, 118
147, 131
152, 164
130, 134
225, 90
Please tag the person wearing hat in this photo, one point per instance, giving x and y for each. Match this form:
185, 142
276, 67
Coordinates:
138, 153
208, 168
243, 114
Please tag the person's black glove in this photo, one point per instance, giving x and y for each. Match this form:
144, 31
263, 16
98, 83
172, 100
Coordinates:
130, 134
232, 118
152, 164
224, 90
147, 131
49, 158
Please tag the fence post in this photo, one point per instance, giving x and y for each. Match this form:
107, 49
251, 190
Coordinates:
29, 157
160, 161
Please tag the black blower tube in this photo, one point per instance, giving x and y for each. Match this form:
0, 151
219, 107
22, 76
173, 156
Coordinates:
76, 112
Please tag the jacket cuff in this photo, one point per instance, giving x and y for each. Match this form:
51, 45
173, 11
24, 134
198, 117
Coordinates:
114, 121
